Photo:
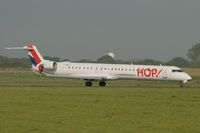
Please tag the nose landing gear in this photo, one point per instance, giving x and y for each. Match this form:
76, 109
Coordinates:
181, 83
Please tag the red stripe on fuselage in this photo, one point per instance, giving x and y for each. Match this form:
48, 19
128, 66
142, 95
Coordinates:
34, 54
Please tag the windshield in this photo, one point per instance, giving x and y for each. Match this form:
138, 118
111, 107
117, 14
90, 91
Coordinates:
177, 70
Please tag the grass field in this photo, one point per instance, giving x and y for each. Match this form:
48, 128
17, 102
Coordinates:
33, 104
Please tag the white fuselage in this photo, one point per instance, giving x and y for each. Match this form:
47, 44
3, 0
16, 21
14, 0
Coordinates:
95, 71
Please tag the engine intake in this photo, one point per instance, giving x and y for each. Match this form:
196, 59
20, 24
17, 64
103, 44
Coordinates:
51, 65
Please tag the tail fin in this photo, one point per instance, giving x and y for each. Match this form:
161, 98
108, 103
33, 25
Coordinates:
34, 55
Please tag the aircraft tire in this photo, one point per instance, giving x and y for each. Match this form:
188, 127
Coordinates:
102, 83
88, 83
181, 84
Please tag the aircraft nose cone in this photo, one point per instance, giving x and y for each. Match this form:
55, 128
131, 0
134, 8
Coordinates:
189, 78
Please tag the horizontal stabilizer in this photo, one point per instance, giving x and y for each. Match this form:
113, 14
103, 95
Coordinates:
19, 48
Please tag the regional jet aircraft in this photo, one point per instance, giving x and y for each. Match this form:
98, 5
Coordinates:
102, 72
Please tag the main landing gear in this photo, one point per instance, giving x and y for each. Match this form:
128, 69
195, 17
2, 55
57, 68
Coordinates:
102, 83
88, 83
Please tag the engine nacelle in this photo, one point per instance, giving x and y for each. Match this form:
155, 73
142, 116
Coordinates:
51, 65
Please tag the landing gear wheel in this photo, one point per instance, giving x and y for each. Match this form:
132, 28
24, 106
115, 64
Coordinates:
88, 83
102, 83
181, 84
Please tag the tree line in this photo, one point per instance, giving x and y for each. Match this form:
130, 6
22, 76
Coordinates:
193, 55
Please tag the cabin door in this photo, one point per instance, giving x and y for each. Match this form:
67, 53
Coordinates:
164, 74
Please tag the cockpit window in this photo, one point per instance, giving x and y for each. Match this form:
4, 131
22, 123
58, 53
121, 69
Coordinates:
177, 70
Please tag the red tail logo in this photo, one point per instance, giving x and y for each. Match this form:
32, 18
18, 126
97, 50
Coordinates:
34, 53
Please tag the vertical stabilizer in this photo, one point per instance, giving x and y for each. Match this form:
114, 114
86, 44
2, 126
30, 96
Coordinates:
34, 54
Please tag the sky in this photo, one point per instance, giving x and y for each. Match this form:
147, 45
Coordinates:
89, 29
